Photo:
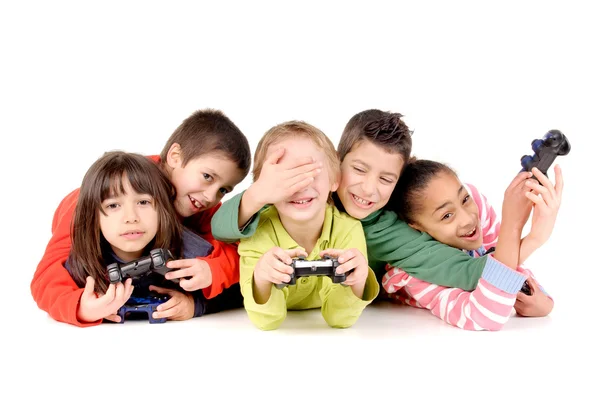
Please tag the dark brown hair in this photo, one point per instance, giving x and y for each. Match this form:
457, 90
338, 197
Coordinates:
208, 131
104, 179
406, 198
384, 129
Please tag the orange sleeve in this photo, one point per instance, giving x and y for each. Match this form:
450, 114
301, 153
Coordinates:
52, 287
224, 260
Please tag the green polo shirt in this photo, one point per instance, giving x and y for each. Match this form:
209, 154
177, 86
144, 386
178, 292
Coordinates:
339, 306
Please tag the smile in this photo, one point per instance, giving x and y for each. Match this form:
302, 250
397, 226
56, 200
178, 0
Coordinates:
195, 203
360, 202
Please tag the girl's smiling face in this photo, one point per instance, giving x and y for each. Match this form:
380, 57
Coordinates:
447, 212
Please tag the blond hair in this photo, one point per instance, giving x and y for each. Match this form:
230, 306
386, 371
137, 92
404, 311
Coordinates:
296, 129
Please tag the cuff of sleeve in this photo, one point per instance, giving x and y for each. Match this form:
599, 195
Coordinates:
250, 227
502, 277
212, 290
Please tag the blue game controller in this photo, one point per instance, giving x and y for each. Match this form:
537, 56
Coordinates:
147, 304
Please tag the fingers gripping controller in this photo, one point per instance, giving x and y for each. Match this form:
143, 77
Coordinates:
155, 262
325, 266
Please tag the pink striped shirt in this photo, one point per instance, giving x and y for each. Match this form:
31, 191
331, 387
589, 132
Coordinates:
485, 308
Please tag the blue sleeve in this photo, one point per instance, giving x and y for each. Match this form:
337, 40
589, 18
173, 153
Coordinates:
199, 303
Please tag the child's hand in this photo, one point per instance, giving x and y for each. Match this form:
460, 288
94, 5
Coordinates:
180, 306
351, 260
197, 270
277, 182
516, 207
274, 266
93, 308
536, 305
546, 200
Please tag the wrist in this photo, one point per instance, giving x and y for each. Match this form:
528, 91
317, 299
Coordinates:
251, 199
258, 282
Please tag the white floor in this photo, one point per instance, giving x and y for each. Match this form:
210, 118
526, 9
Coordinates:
391, 350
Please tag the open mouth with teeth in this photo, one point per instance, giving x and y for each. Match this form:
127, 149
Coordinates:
195, 203
360, 202
301, 203
470, 234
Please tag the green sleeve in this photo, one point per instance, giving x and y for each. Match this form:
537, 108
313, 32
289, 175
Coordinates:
224, 223
392, 241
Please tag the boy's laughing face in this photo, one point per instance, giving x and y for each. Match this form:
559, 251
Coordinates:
203, 182
369, 175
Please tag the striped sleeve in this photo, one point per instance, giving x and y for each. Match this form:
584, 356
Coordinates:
485, 308
490, 222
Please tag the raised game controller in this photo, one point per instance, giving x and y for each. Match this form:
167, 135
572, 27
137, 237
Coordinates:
323, 267
155, 262
545, 150
143, 304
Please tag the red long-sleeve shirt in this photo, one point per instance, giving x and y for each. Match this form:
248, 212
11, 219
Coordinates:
55, 291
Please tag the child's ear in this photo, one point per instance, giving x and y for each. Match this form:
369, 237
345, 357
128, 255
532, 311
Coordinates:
415, 226
174, 157
336, 183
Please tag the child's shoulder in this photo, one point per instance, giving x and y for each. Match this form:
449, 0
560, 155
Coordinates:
269, 220
342, 219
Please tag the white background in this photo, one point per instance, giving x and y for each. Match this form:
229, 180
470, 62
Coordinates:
476, 82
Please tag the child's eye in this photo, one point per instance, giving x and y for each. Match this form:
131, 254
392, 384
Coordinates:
446, 216
145, 202
466, 199
112, 206
358, 170
223, 191
207, 177
387, 180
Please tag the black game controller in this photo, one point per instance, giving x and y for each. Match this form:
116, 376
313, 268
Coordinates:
155, 262
322, 267
526, 289
146, 305
553, 144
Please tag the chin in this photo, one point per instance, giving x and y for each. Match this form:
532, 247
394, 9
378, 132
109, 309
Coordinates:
302, 217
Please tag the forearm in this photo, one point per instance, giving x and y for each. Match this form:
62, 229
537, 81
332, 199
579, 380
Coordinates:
340, 305
509, 245
224, 223
267, 314
528, 246
270, 314
249, 206
261, 291
486, 308
199, 303
394, 242
224, 267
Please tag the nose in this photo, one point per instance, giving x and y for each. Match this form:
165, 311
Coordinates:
368, 186
210, 194
465, 220
130, 214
